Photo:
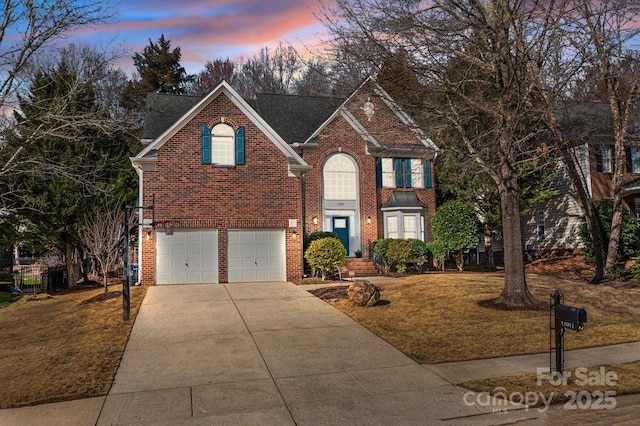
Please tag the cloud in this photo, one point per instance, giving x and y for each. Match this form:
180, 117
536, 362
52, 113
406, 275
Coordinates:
210, 29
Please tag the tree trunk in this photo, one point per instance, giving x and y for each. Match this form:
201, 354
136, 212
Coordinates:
490, 263
460, 260
594, 227
618, 175
515, 293
68, 260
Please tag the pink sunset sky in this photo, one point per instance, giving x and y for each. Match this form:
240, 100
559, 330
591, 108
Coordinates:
207, 29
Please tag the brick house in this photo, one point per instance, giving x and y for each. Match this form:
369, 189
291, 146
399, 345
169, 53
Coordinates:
235, 184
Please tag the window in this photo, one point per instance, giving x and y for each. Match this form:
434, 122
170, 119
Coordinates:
339, 178
392, 227
222, 145
387, 173
400, 224
633, 159
540, 223
604, 160
403, 173
409, 228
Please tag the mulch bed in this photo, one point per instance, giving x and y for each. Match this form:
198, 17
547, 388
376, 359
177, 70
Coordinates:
330, 293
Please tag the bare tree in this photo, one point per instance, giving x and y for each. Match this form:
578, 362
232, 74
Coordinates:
102, 236
214, 72
601, 33
474, 58
30, 27
268, 72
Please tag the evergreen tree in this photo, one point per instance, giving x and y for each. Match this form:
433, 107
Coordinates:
159, 68
86, 156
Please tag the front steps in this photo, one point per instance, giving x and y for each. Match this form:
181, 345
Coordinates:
360, 266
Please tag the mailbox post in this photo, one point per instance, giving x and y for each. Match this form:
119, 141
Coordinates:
565, 317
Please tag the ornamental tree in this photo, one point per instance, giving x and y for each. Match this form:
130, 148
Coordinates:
454, 225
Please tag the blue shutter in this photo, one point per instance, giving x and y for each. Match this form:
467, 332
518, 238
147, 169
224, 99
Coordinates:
379, 172
240, 146
427, 174
398, 172
407, 172
205, 144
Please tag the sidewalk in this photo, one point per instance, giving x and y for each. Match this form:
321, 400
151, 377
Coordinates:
458, 372
271, 353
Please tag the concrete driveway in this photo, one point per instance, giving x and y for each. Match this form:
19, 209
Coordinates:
263, 353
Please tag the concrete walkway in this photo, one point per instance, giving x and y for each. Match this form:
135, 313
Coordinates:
273, 354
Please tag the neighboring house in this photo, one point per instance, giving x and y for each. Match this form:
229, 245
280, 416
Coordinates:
556, 224
235, 184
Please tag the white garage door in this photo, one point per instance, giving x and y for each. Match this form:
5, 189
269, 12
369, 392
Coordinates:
187, 257
256, 255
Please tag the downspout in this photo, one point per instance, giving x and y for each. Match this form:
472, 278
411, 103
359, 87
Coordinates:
141, 240
302, 227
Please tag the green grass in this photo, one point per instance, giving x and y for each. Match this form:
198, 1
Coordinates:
7, 299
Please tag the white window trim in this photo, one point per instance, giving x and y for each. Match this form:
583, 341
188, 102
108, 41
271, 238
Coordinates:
606, 159
223, 144
400, 215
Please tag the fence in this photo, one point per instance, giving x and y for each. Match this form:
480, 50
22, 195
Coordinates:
34, 279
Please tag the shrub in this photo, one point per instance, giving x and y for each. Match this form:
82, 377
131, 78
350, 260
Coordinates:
309, 238
325, 255
396, 253
400, 252
380, 253
629, 246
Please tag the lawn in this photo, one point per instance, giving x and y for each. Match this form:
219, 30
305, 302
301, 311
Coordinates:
69, 345
63, 346
7, 299
436, 317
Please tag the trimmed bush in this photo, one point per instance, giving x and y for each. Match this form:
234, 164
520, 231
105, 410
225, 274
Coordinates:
325, 256
400, 252
396, 253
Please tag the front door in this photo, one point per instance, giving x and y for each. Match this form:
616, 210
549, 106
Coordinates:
341, 229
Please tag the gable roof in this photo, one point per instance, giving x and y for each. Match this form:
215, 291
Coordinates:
374, 146
295, 118
148, 154
162, 110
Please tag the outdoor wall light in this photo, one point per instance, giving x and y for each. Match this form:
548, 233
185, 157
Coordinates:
368, 219
315, 220
293, 234
148, 234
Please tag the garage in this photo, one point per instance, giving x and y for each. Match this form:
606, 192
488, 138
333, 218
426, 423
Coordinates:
187, 257
256, 255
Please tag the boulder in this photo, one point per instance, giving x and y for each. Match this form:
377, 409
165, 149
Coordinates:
363, 293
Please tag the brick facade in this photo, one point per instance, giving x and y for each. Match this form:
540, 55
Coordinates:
340, 137
264, 193
190, 195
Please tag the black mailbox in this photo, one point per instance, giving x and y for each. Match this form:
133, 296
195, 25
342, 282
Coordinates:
570, 317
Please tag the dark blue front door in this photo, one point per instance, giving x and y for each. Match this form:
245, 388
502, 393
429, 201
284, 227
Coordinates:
341, 228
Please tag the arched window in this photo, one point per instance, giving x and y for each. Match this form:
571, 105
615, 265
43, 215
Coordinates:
222, 144
339, 175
